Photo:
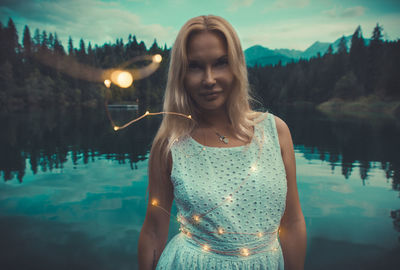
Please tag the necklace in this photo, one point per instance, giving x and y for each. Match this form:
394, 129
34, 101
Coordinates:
222, 138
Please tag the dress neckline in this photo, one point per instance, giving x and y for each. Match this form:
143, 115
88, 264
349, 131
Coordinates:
239, 147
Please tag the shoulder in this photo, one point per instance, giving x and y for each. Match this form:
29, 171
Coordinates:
284, 136
160, 156
281, 127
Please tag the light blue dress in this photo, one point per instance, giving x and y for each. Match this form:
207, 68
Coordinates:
230, 202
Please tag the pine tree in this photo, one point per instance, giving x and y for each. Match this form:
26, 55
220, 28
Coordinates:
51, 41
45, 41
375, 56
377, 36
27, 41
342, 48
70, 47
329, 51
36, 40
154, 49
82, 50
10, 45
358, 55
58, 47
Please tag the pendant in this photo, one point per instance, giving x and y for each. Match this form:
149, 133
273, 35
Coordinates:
222, 138
225, 140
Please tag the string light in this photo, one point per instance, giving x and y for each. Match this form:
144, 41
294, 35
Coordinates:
206, 247
196, 218
219, 230
107, 83
244, 252
147, 113
154, 202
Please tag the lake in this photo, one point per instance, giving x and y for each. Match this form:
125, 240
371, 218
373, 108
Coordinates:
72, 190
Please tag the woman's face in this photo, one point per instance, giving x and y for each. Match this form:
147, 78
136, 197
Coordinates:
209, 78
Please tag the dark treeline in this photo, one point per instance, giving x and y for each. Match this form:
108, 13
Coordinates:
25, 81
362, 70
371, 70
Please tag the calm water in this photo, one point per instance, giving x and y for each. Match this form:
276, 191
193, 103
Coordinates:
72, 191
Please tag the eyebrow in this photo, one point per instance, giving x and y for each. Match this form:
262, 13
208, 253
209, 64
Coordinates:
222, 57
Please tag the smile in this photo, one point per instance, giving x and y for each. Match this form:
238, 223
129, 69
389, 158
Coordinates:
209, 96
211, 93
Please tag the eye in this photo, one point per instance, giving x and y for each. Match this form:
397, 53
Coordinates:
221, 62
194, 65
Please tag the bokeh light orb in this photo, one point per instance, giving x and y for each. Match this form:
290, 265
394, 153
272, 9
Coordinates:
107, 83
157, 58
124, 79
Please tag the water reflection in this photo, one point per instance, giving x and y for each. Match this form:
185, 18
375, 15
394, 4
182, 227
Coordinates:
74, 189
44, 139
352, 144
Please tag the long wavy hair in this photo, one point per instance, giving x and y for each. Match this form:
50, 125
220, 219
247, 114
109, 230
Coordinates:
177, 99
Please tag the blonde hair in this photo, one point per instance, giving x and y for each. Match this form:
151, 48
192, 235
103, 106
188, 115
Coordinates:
176, 99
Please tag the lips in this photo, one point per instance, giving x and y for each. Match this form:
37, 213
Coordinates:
210, 93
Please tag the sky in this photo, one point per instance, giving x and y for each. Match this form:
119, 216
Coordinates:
290, 24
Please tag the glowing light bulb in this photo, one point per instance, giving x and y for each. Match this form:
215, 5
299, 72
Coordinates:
116, 128
244, 252
220, 231
154, 202
157, 58
124, 79
196, 218
107, 83
206, 247
260, 234
189, 116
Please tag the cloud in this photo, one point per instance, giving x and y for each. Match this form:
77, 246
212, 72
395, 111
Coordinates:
340, 12
300, 33
278, 4
295, 34
286, 4
93, 20
236, 4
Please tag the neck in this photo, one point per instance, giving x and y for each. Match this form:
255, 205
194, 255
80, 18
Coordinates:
214, 119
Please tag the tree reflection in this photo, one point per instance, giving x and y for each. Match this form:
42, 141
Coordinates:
348, 143
47, 139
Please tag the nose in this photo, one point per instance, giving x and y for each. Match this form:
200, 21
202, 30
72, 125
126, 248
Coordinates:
209, 79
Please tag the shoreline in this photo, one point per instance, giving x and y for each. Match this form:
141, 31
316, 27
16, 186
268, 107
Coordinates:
364, 107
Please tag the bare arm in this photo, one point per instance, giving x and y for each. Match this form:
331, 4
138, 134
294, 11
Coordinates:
292, 228
154, 233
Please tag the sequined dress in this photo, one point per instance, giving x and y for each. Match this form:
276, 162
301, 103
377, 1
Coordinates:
230, 202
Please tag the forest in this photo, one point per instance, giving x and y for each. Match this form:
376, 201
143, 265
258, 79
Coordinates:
362, 71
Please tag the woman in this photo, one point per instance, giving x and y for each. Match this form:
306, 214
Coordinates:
231, 170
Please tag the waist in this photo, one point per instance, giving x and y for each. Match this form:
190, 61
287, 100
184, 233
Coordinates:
242, 245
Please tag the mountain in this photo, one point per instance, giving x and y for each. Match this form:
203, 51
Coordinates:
314, 49
259, 55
